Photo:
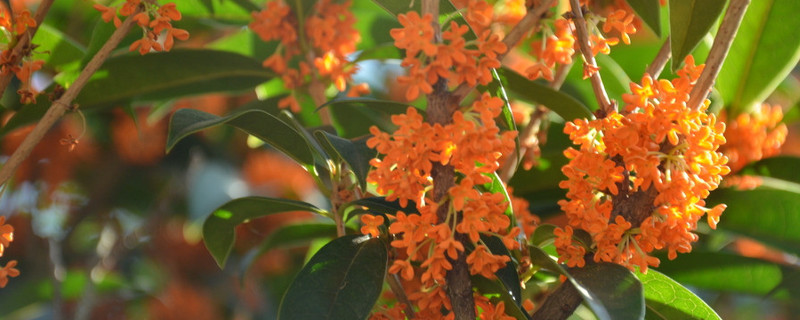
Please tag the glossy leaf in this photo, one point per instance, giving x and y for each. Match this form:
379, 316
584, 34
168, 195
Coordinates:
258, 123
610, 290
562, 104
650, 12
379, 206
766, 214
497, 89
765, 50
705, 270
496, 287
689, 22
341, 281
168, 75
543, 234
667, 299
219, 227
497, 186
353, 152
508, 274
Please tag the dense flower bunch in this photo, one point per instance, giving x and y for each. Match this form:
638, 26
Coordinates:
6, 236
154, 19
474, 146
23, 67
455, 59
559, 45
329, 38
640, 177
754, 136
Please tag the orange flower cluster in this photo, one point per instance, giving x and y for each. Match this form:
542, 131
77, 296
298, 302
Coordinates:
752, 137
153, 19
455, 59
558, 46
6, 236
330, 34
25, 67
639, 180
474, 146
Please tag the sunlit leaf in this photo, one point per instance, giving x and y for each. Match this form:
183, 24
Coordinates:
56, 48
705, 270
689, 21
354, 116
219, 227
782, 167
765, 50
667, 299
766, 214
341, 281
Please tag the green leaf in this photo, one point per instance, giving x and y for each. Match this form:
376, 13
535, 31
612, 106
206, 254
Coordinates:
353, 117
689, 21
782, 167
562, 104
289, 235
508, 274
342, 281
498, 90
768, 215
258, 123
218, 229
667, 299
495, 288
706, 270
379, 206
765, 50
56, 48
353, 152
610, 290
650, 12
542, 235
167, 75
497, 186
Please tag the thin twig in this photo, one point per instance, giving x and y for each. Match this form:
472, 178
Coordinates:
24, 41
529, 22
655, 68
719, 50
400, 294
583, 42
60, 106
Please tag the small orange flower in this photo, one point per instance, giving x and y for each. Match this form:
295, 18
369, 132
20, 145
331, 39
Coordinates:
371, 225
8, 271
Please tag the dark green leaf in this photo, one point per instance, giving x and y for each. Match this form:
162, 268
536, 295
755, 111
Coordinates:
783, 167
218, 229
247, 5
765, 214
667, 299
689, 22
610, 290
255, 122
353, 152
290, 235
354, 116
497, 186
706, 270
342, 281
495, 287
498, 90
379, 206
508, 274
171, 74
562, 104
765, 50
56, 48
650, 12
542, 235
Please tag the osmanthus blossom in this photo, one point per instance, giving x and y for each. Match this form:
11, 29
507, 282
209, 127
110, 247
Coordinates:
639, 179
154, 20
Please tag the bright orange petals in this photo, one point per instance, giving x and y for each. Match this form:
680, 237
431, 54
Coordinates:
371, 225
